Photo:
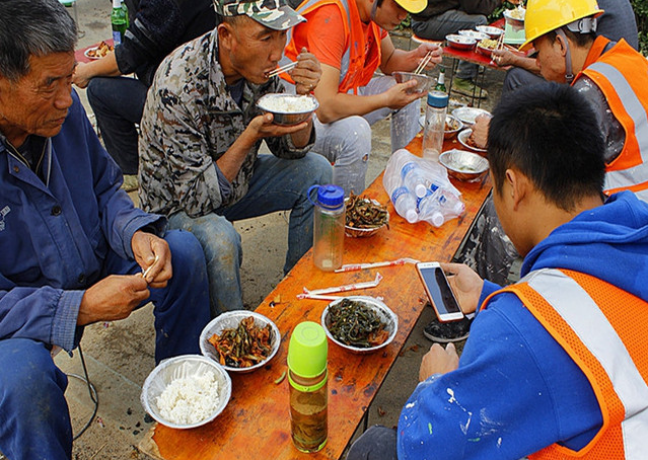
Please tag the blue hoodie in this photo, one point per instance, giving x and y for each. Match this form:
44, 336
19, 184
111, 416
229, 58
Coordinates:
516, 390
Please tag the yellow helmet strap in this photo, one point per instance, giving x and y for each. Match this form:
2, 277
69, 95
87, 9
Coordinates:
569, 74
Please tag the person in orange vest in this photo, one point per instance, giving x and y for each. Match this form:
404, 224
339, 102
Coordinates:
350, 39
556, 365
613, 76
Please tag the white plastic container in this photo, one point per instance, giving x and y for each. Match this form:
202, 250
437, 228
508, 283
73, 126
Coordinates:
328, 226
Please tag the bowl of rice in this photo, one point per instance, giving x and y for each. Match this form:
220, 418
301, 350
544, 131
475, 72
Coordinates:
288, 109
240, 341
187, 391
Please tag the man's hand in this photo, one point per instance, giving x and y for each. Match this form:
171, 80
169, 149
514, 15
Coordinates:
422, 51
153, 255
401, 94
307, 72
465, 284
263, 126
81, 76
438, 361
480, 130
503, 57
112, 298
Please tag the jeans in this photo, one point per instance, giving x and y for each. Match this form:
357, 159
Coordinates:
34, 417
347, 142
276, 185
451, 22
118, 103
517, 77
377, 443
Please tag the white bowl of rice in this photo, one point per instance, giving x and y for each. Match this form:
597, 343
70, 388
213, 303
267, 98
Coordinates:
288, 109
187, 391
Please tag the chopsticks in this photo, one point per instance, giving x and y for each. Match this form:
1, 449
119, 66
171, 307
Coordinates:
282, 69
500, 46
424, 62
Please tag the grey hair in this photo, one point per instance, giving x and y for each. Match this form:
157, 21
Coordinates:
32, 27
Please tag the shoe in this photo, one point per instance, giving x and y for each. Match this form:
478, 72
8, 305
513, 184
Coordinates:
466, 87
453, 331
130, 183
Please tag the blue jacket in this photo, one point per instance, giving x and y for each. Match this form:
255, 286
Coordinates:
516, 390
55, 235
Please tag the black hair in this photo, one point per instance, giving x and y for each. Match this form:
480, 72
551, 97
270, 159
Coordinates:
580, 40
32, 27
549, 133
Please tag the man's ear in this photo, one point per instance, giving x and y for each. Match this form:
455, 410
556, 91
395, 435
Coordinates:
518, 185
561, 43
225, 34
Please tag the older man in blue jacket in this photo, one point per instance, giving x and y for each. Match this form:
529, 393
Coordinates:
74, 248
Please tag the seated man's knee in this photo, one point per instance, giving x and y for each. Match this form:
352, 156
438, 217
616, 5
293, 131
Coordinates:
355, 146
187, 254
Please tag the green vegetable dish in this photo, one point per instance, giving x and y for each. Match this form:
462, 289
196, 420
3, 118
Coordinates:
353, 323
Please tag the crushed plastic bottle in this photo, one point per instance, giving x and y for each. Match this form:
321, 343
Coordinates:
405, 204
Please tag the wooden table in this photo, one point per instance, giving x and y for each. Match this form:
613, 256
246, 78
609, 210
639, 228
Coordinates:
256, 423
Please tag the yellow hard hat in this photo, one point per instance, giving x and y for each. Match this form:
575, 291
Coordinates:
412, 6
543, 16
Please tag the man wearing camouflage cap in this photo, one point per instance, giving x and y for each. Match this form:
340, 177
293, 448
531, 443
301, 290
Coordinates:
201, 132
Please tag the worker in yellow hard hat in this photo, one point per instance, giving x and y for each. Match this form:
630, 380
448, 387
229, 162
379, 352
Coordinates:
350, 39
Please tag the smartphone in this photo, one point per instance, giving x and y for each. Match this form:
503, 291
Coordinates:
438, 291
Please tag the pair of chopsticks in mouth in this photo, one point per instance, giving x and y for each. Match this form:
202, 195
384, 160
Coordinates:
281, 69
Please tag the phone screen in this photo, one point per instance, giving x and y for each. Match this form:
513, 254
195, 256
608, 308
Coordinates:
439, 290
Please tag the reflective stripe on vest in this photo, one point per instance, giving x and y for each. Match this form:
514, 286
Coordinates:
589, 323
637, 174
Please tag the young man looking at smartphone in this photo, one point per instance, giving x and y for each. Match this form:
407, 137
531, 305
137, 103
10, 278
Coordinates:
553, 368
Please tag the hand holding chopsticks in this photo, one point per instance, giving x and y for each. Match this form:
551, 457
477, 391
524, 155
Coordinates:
498, 47
424, 62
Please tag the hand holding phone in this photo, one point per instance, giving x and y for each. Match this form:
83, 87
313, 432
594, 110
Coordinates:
438, 291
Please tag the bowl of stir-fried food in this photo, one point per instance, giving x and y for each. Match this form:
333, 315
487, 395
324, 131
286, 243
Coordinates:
364, 216
241, 341
464, 165
359, 324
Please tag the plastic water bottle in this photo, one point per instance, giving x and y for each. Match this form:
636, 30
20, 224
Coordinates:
405, 203
328, 226
435, 116
439, 205
414, 179
119, 22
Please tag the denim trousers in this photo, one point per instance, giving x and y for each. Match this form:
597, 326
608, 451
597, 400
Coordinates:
276, 185
377, 443
450, 22
347, 142
118, 103
34, 416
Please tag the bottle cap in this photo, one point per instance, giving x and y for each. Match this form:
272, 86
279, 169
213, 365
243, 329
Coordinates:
420, 190
308, 350
436, 219
330, 196
411, 215
437, 99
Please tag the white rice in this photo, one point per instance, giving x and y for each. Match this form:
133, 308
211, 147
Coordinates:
189, 400
288, 104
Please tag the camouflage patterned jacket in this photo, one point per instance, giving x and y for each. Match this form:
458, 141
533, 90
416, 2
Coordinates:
189, 121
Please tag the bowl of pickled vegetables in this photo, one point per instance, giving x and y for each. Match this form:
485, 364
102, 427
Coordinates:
364, 216
359, 324
240, 341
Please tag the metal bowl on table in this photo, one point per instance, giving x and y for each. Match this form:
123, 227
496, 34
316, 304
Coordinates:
515, 17
360, 232
184, 367
464, 139
473, 34
452, 127
231, 320
492, 32
288, 109
383, 312
464, 165
461, 42
467, 115
422, 81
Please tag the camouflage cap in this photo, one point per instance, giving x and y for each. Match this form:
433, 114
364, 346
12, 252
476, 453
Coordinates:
274, 14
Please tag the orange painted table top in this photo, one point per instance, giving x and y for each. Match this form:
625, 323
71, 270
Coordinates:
256, 422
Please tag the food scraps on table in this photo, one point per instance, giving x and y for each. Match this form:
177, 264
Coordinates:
243, 346
354, 323
362, 212
100, 51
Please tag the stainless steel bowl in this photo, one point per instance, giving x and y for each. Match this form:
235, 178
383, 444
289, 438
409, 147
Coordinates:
492, 32
181, 367
231, 320
461, 42
354, 232
456, 125
285, 116
382, 310
422, 81
464, 165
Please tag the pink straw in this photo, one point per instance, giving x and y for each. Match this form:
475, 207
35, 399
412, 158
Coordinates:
356, 267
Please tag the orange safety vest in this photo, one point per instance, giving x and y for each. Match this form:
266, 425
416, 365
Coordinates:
603, 329
622, 75
357, 68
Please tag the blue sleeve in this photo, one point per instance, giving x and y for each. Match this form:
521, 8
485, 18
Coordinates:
487, 289
515, 392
